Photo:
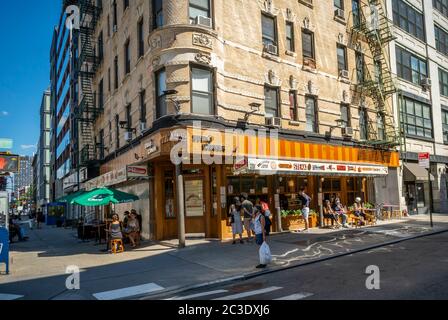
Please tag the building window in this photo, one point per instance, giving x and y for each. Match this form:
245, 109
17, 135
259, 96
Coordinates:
110, 133
410, 67
290, 36
202, 91
342, 57
117, 131
116, 72
157, 13
101, 95
142, 99
129, 116
445, 125
441, 6
441, 40
380, 124
311, 114
125, 4
101, 144
359, 59
293, 112
269, 30
339, 4
408, 19
363, 120
141, 40
345, 115
115, 15
108, 79
443, 82
108, 25
199, 8
308, 44
100, 47
160, 91
271, 101
416, 118
127, 57
356, 9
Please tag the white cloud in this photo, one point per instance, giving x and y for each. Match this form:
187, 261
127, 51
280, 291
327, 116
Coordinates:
4, 113
28, 146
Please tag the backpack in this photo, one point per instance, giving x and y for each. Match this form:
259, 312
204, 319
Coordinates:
267, 225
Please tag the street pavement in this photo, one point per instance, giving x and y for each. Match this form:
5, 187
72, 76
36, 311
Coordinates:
38, 266
410, 270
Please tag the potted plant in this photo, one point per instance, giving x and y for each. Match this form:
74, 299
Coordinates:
292, 219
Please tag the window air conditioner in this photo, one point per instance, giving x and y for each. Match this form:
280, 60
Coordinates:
143, 126
343, 74
115, 28
203, 21
339, 13
426, 82
270, 48
128, 136
274, 122
347, 131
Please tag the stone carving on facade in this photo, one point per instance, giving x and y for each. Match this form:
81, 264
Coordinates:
140, 10
345, 96
290, 15
155, 61
293, 83
155, 43
308, 25
358, 47
341, 39
268, 7
273, 79
202, 40
203, 58
311, 88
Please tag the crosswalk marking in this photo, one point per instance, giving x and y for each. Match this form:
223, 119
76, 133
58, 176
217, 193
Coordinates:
5, 296
296, 296
198, 295
128, 292
249, 293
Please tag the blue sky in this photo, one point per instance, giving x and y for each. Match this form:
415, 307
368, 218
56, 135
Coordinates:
25, 31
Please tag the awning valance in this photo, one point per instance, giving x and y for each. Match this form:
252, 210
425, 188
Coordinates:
274, 166
413, 172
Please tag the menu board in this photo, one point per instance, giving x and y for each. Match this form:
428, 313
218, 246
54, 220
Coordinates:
194, 198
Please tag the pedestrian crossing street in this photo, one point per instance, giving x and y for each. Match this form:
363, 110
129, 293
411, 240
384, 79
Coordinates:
268, 293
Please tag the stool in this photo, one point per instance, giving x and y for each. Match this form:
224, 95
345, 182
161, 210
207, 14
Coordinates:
117, 246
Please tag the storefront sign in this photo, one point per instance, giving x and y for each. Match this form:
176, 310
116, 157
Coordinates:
423, 160
151, 147
277, 166
137, 171
6, 143
118, 176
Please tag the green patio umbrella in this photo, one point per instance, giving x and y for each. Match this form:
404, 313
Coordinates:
103, 196
68, 198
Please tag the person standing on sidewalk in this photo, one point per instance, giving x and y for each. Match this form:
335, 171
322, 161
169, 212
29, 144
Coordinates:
264, 207
248, 209
305, 206
235, 219
259, 230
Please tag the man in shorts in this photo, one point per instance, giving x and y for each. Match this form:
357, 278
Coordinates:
305, 206
248, 208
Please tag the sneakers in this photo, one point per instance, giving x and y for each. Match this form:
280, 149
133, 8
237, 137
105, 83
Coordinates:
261, 266
241, 241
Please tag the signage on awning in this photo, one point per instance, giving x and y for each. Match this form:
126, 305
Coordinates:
118, 176
268, 166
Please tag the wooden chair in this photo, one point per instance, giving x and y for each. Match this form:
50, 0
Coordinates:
117, 246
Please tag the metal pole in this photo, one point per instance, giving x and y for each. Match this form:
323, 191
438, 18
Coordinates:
180, 206
320, 204
430, 194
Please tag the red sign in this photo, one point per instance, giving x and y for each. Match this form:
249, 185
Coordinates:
423, 159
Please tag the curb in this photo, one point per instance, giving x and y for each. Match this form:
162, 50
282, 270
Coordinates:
278, 269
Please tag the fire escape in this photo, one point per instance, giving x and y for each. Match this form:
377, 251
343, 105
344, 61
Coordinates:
88, 110
378, 83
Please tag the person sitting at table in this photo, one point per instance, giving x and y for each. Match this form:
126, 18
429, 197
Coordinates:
115, 229
125, 219
340, 211
329, 213
132, 230
358, 209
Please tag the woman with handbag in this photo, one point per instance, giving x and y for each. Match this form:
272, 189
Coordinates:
235, 220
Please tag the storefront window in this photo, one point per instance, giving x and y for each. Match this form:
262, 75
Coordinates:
247, 185
214, 192
233, 185
261, 185
169, 194
194, 198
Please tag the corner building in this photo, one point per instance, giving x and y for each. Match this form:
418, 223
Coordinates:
308, 69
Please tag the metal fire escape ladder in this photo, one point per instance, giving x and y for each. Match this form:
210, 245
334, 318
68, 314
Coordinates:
88, 63
380, 87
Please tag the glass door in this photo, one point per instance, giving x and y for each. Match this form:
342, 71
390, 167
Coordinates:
194, 206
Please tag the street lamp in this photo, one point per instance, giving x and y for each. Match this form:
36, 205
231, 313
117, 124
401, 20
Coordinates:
176, 102
255, 107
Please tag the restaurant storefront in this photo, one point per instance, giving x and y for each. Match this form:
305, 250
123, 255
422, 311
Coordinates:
209, 188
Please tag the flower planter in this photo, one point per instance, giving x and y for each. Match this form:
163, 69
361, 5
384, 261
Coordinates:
293, 223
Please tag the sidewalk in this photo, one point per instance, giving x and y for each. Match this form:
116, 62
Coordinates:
38, 266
